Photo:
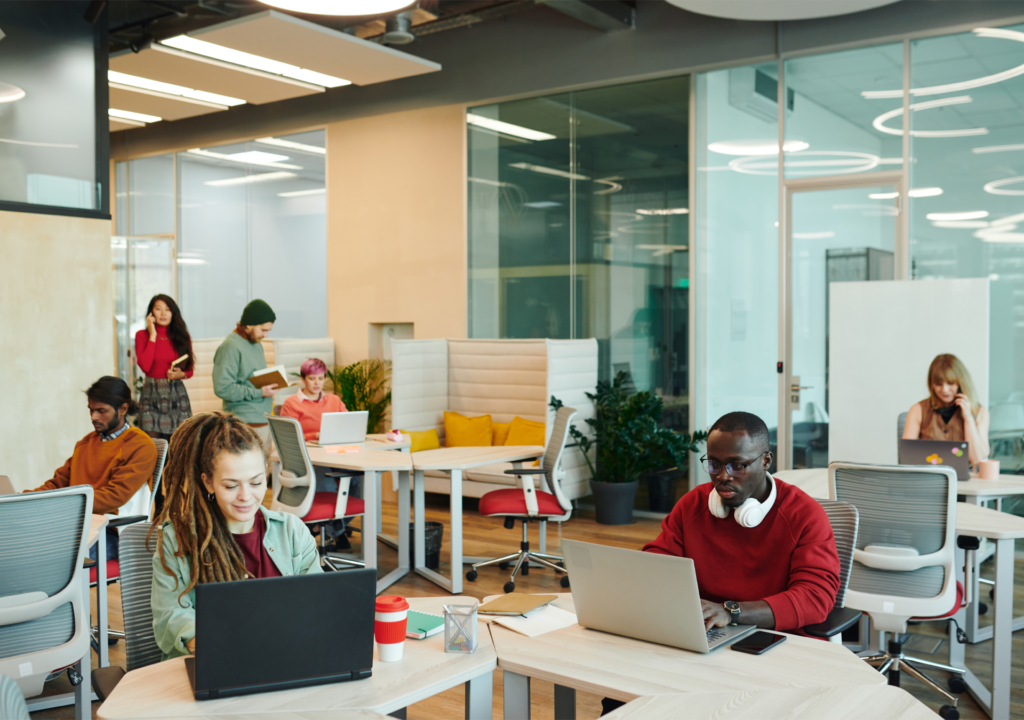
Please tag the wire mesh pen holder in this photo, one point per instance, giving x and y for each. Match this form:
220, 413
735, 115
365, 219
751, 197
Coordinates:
460, 628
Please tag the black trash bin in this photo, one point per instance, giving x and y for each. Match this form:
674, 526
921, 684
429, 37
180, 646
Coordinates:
434, 533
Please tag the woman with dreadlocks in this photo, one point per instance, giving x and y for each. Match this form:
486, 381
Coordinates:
213, 526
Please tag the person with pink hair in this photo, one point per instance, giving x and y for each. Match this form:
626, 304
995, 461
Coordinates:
310, 403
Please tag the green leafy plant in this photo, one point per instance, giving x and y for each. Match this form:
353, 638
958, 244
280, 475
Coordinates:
364, 385
627, 434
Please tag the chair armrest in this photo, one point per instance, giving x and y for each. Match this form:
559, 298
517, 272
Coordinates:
129, 520
104, 680
838, 620
288, 480
525, 471
89, 564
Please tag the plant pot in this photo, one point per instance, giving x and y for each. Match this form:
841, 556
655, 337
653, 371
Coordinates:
613, 502
433, 534
660, 497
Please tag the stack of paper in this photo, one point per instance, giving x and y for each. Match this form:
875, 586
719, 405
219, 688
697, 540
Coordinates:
542, 620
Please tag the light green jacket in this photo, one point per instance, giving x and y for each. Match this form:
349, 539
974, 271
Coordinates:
233, 364
288, 542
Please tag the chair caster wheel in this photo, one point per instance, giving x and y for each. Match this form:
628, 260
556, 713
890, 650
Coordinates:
982, 608
112, 641
471, 575
503, 566
956, 685
509, 587
992, 594
565, 581
948, 712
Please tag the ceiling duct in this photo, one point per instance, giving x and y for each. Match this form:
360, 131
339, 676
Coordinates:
398, 29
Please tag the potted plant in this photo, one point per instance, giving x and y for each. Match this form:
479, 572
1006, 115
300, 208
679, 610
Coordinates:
629, 441
364, 385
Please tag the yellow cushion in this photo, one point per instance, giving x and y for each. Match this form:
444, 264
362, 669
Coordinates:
423, 439
462, 431
499, 432
525, 432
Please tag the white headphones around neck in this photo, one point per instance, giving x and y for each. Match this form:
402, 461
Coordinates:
750, 513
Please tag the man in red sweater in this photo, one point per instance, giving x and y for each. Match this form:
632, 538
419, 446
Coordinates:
779, 572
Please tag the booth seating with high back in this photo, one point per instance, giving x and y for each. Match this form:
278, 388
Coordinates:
44, 613
528, 502
903, 565
501, 378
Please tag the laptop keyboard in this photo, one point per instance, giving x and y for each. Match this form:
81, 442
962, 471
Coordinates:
715, 634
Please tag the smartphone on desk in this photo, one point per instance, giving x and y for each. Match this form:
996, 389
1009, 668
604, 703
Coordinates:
758, 643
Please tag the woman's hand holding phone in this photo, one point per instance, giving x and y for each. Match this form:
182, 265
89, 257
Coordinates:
151, 327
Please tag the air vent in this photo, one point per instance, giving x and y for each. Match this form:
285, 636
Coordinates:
755, 92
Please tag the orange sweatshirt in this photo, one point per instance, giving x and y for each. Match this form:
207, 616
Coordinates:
116, 469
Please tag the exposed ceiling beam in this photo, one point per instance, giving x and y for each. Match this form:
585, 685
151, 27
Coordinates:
604, 15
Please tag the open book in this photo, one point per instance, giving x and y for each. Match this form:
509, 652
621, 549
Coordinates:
275, 375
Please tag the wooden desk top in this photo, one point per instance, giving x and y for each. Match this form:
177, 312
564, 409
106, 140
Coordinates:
379, 460
163, 691
381, 439
465, 458
310, 715
624, 668
1005, 486
96, 523
878, 702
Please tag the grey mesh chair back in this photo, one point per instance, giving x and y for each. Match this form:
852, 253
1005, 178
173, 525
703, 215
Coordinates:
136, 587
295, 483
903, 558
158, 471
901, 422
551, 461
12, 704
843, 518
44, 618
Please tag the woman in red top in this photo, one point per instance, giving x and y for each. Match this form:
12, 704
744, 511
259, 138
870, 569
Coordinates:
310, 403
163, 403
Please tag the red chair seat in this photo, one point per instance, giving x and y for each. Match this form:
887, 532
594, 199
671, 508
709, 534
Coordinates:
956, 606
113, 572
322, 508
512, 502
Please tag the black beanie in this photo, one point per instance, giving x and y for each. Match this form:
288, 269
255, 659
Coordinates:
257, 312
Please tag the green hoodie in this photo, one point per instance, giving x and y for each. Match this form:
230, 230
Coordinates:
233, 364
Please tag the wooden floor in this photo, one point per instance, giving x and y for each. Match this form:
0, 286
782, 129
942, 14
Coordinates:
489, 538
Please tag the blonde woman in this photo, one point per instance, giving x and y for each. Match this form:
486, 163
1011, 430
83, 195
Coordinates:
951, 411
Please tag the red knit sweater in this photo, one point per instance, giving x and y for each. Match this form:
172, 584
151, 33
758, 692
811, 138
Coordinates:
155, 358
789, 559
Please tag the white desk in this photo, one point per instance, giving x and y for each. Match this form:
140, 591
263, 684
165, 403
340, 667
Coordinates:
455, 461
576, 658
971, 519
163, 691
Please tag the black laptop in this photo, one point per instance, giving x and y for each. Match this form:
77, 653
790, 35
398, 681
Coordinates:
941, 453
312, 630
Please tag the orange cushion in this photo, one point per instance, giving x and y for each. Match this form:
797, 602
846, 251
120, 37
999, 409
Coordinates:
499, 433
423, 439
463, 431
525, 432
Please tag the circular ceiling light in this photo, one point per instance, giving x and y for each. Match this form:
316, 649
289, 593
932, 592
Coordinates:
777, 9
997, 187
339, 7
834, 162
756, 147
10, 93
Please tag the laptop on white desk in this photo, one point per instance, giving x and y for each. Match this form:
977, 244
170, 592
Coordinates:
642, 595
343, 428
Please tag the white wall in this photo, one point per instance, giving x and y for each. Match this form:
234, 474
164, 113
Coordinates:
884, 336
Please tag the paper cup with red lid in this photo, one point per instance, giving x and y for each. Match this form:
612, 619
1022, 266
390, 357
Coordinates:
392, 616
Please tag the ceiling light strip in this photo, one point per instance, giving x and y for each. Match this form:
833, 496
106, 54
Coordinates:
507, 128
303, 193
235, 67
141, 83
292, 145
168, 96
129, 115
221, 156
249, 179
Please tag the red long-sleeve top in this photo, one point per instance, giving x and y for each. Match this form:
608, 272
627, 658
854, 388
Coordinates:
155, 358
788, 560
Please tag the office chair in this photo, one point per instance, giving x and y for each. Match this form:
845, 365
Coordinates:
901, 422
44, 611
903, 564
295, 485
843, 518
527, 503
12, 704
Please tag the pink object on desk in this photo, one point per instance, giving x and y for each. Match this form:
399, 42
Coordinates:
988, 470
394, 435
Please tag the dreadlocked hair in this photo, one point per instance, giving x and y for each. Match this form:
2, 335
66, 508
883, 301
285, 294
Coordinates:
199, 525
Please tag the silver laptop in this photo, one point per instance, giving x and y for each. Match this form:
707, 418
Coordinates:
343, 428
642, 595
944, 453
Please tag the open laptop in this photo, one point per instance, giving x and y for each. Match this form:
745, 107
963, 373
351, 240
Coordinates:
642, 595
301, 639
946, 453
343, 428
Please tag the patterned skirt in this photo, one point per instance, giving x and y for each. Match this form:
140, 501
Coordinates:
163, 406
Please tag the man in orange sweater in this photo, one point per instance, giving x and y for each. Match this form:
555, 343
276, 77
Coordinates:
117, 459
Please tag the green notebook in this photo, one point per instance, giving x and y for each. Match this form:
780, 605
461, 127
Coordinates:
422, 625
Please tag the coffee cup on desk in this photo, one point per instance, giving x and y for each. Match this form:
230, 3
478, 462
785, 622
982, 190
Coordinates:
390, 620
988, 470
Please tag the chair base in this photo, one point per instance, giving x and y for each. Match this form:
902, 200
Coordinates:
894, 661
522, 560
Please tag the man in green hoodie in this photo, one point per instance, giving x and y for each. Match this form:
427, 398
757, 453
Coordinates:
237, 358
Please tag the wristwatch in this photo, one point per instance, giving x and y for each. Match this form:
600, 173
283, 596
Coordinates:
733, 607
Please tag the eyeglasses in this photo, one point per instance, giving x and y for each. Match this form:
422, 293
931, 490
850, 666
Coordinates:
734, 469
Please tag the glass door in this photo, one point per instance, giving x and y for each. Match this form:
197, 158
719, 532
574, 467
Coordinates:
837, 231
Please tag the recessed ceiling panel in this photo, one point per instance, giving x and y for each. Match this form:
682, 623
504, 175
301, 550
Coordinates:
310, 46
162, 106
777, 9
178, 68
116, 124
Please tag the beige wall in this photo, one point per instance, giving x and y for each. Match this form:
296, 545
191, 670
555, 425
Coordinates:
396, 226
56, 336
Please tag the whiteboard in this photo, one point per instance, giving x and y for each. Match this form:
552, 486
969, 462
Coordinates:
884, 335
